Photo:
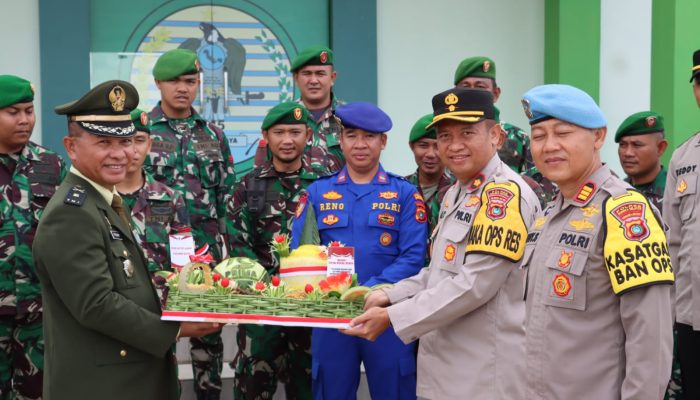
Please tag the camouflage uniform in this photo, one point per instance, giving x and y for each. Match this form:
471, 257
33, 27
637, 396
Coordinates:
654, 192
327, 134
435, 200
27, 182
268, 353
515, 152
157, 211
193, 157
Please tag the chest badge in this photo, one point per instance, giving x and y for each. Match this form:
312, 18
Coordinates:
565, 258
581, 224
450, 253
332, 195
682, 186
539, 222
128, 268
472, 201
330, 219
590, 210
386, 219
561, 285
385, 239
389, 195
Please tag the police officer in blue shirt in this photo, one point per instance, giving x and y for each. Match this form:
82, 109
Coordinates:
384, 218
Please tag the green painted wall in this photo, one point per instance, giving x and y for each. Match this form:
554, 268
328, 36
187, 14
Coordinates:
675, 36
572, 44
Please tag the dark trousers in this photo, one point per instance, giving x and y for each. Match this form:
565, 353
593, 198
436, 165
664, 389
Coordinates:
689, 358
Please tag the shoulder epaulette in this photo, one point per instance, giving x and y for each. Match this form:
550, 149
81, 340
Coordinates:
76, 196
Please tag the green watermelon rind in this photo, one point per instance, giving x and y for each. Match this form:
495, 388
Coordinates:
356, 293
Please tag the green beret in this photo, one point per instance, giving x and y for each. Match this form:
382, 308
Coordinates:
418, 131
141, 121
174, 63
640, 123
289, 112
479, 67
316, 55
104, 110
14, 89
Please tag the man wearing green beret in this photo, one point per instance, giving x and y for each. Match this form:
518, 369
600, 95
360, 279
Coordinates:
103, 332
641, 145
263, 207
430, 178
157, 211
29, 176
480, 73
193, 157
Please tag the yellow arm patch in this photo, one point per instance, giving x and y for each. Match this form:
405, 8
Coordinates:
499, 228
635, 249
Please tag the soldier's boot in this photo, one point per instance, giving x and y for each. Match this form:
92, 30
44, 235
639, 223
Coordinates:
207, 361
28, 356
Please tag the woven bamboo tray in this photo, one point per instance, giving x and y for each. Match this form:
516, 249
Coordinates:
249, 309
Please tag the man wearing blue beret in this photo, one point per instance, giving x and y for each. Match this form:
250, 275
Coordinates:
383, 217
599, 274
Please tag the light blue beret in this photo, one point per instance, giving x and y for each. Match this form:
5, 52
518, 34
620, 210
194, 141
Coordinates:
365, 116
565, 103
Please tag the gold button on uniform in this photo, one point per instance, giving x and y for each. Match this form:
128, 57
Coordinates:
122, 353
126, 254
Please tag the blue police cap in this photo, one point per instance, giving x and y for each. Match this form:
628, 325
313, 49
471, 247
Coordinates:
565, 103
365, 116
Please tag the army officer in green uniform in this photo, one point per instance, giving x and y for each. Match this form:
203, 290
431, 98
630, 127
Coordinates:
102, 328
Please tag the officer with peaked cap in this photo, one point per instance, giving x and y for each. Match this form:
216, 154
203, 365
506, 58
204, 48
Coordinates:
681, 206
102, 315
467, 308
641, 144
29, 175
383, 217
599, 275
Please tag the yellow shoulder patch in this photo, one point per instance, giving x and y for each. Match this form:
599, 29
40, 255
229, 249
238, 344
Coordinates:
499, 228
635, 249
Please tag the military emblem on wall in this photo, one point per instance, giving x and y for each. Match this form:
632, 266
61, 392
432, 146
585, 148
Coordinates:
244, 70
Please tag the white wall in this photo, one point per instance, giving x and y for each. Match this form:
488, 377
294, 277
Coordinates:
420, 44
625, 66
19, 28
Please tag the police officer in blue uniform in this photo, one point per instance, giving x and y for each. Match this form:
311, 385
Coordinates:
385, 219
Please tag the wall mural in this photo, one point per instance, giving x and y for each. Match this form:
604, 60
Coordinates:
245, 70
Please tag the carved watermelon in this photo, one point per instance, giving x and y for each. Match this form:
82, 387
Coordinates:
244, 271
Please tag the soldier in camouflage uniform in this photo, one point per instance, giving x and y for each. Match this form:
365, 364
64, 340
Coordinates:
641, 144
193, 157
157, 211
480, 73
430, 177
29, 175
263, 206
314, 76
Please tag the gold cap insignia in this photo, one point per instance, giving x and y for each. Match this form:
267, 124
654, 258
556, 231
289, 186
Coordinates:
297, 113
451, 99
650, 121
196, 64
144, 119
323, 57
486, 66
526, 107
117, 98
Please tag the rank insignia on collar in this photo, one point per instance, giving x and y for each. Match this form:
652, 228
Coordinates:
450, 253
632, 220
385, 239
330, 219
565, 258
590, 211
581, 224
585, 192
332, 195
682, 186
561, 285
381, 178
389, 195
477, 182
342, 177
